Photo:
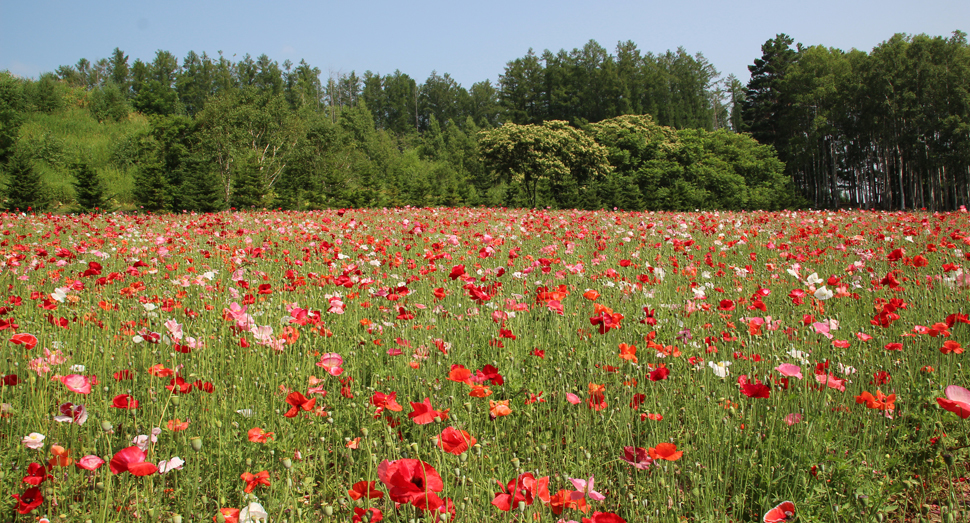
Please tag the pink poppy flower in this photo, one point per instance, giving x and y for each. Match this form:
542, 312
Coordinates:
957, 401
77, 383
332, 363
787, 369
89, 462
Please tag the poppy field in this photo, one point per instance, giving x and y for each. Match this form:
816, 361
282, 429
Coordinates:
408, 365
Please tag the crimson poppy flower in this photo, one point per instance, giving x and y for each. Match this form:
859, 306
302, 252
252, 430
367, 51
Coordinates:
36, 474
489, 373
454, 441
131, 459
253, 481
124, 401
298, 401
409, 480
604, 517
29, 500
756, 390
666, 451
124, 375
660, 373
423, 413
637, 456
365, 489
372, 515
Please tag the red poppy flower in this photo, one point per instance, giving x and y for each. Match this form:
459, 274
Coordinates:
660, 373
424, 413
131, 459
36, 474
124, 401
298, 401
409, 480
258, 435
365, 489
525, 488
124, 375
459, 374
454, 441
231, 515
604, 517
756, 390
372, 515
29, 500
253, 481
667, 451
29, 341
637, 456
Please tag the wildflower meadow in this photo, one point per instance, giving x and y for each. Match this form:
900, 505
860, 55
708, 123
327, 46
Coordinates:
437, 365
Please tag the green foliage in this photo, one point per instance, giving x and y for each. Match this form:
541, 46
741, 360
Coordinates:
554, 152
89, 190
25, 190
689, 168
109, 103
45, 94
13, 105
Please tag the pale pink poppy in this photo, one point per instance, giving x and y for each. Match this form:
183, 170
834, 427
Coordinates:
585, 488
90, 462
793, 418
332, 363
76, 383
572, 398
787, 369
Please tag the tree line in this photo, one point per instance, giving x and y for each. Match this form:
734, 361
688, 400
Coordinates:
888, 129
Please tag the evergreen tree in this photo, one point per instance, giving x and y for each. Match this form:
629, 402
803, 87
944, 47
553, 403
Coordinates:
151, 187
247, 187
201, 189
25, 189
89, 190
765, 109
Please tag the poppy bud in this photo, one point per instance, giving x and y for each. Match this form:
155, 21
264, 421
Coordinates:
176, 401
287, 463
364, 431
197, 444
107, 426
220, 517
176, 519
328, 510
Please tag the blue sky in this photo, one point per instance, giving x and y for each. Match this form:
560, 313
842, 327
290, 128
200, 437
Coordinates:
470, 40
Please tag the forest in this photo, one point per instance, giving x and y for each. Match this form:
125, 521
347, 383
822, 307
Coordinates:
813, 127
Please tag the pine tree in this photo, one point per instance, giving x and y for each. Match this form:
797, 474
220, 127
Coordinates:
247, 188
151, 187
25, 189
201, 188
89, 191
